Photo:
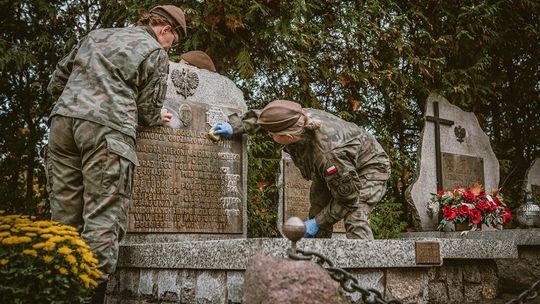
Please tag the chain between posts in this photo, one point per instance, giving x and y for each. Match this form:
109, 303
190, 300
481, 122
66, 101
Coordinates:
527, 295
347, 281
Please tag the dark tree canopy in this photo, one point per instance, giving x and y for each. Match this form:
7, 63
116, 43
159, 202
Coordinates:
370, 62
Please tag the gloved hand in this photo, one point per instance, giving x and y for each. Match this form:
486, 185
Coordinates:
311, 228
224, 129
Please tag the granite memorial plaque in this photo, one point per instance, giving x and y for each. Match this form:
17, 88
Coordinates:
454, 151
295, 194
187, 183
461, 170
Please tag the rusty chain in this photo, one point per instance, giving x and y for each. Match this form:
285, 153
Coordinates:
347, 281
527, 295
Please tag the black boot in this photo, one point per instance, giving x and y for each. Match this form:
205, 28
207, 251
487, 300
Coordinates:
98, 297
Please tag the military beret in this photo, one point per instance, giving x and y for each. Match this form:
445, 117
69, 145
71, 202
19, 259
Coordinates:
279, 115
174, 15
199, 59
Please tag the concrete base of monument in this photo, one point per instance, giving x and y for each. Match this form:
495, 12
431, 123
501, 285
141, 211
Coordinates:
419, 270
515, 275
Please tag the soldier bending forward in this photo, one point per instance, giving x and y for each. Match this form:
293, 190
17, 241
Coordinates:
347, 166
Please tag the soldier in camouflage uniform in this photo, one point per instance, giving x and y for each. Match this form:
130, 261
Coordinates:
110, 82
347, 166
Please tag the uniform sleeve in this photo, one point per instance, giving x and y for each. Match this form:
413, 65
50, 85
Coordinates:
342, 181
153, 73
61, 74
246, 123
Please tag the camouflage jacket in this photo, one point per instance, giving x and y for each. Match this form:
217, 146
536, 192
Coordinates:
114, 77
340, 155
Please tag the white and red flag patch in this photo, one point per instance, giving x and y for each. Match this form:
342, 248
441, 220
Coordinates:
331, 170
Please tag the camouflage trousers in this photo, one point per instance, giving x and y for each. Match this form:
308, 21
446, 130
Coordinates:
89, 181
356, 215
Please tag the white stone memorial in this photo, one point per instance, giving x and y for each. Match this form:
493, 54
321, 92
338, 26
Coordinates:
454, 151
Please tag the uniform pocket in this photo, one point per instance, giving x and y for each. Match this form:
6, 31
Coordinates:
119, 167
343, 187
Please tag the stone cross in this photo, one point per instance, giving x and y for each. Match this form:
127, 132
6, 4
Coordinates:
438, 122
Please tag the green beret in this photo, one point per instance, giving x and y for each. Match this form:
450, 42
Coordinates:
279, 115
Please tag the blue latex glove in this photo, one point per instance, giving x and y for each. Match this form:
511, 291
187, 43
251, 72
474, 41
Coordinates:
224, 129
311, 228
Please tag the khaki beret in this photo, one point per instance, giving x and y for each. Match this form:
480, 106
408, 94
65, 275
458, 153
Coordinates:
199, 59
279, 115
174, 15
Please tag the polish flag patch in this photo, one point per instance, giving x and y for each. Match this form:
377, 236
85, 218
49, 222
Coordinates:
331, 170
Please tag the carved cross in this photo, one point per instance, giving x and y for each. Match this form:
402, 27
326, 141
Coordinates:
438, 122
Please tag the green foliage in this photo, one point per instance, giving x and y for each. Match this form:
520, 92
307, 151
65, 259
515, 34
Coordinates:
262, 190
43, 262
387, 219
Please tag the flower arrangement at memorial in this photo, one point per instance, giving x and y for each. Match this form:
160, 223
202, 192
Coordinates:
470, 206
43, 262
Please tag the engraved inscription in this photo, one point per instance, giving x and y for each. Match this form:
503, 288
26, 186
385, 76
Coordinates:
461, 170
427, 253
187, 183
215, 115
296, 195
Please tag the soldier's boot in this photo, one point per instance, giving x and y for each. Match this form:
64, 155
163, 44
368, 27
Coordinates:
98, 297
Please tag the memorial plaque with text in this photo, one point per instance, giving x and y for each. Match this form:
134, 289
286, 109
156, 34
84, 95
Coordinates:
296, 194
461, 170
187, 183
427, 253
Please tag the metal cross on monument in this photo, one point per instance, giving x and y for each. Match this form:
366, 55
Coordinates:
438, 122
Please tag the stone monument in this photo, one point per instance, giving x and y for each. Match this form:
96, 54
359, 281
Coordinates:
294, 195
188, 186
532, 181
454, 151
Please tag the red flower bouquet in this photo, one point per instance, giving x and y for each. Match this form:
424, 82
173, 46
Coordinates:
472, 206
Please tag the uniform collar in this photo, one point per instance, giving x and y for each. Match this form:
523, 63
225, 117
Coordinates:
151, 32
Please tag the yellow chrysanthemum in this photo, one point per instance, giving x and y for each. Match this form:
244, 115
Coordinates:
4, 227
64, 250
31, 252
96, 273
85, 279
63, 271
4, 234
46, 236
29, 229
14, 240
31, 234
4, 262
47, 259
43, 224
49, 246
78, 242
71, 260
89, 258
39, 245
57, 239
